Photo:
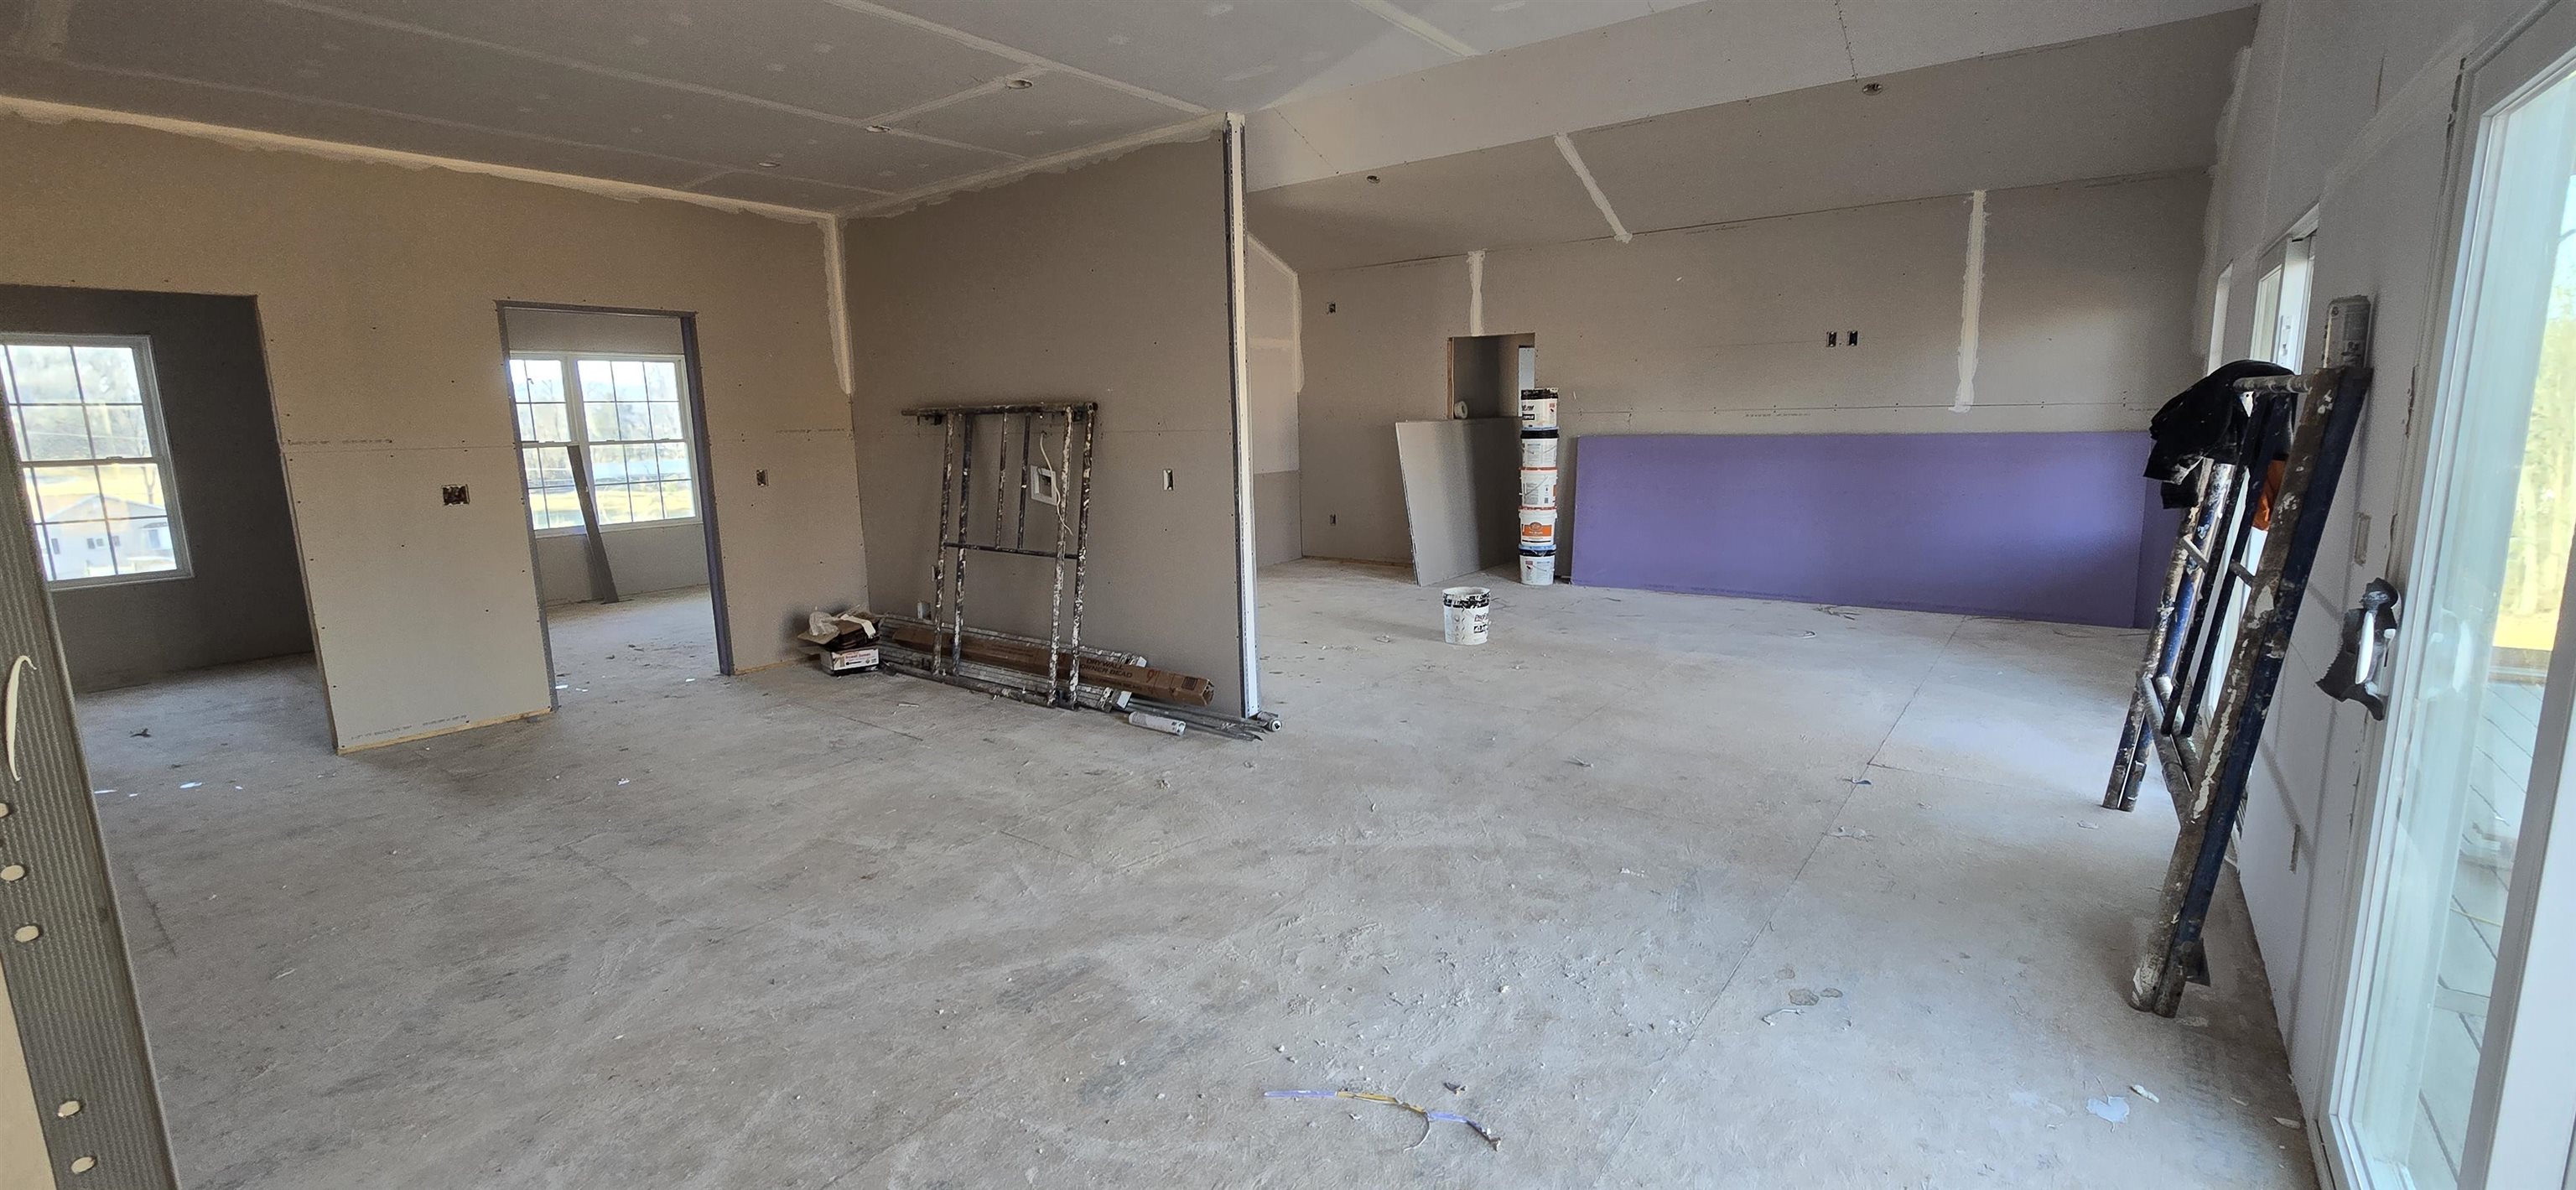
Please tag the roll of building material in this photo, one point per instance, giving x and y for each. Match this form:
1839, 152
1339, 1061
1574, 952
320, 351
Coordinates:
1538, 528
1538, 487
1538, 567
1538, 409
1538, 448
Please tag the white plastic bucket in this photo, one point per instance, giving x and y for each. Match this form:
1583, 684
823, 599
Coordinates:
1538, 528
1465, 614
1538, 409
1538, 487
1538, 570
1538, 448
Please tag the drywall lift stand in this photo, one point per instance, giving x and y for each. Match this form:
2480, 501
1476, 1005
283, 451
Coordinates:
1063, 483
2206, 764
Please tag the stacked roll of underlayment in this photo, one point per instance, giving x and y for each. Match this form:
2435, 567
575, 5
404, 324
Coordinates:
1538, 486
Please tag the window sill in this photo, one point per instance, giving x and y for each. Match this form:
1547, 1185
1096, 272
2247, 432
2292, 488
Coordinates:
626, 527
120, 580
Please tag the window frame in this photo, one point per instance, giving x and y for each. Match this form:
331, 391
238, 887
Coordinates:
577, 423
156, 430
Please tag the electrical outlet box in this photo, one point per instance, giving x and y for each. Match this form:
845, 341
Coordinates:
1044, 486
454, 493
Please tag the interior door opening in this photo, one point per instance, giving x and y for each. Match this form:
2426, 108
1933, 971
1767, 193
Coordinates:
612, 450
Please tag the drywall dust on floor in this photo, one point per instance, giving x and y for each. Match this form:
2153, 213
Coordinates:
1675, 890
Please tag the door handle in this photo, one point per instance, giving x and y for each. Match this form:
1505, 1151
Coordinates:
2368, 631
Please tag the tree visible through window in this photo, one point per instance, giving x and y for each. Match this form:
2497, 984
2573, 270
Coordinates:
87, 421
628, 418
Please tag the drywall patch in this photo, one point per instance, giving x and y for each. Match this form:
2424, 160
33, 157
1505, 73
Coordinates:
837, 299
1583, 173
1972, 303
1476, 292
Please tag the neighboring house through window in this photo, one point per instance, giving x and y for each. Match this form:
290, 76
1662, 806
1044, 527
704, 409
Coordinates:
628, 418
85, 413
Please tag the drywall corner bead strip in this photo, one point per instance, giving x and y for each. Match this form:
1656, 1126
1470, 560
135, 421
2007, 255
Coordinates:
1972, 302
1476, 292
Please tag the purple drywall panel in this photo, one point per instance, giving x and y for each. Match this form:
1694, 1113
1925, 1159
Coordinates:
2031, 526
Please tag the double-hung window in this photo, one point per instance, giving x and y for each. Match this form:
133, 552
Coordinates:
86, 416
626, 416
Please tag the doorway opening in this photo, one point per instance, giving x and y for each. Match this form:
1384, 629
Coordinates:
148, 447
1488, 372
611, 424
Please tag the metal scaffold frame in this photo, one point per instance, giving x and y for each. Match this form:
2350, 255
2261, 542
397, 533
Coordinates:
1074, 424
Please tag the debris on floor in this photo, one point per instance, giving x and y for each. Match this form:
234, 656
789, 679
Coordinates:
844, 642
2144, 1093
1848, 832
1428, 1115
2114, 1108
1768, 1018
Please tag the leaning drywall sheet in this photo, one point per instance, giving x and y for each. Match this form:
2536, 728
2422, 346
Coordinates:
1108, 284
1458, 494
377, 289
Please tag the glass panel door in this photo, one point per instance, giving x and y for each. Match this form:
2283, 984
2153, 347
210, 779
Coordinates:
2483, 625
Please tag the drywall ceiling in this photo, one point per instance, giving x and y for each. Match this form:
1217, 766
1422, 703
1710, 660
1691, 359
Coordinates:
871, 105
1675, 60
821, 104
2140, 102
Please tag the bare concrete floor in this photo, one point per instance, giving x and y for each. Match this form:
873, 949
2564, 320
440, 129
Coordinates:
790, 930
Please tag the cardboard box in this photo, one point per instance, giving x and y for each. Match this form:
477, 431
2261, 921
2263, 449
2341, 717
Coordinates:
846, 641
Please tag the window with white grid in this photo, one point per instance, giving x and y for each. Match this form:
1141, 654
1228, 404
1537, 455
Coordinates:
86, 416
628, 418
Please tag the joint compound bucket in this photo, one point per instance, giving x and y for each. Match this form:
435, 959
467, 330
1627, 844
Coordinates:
1464, 613
1538, 529
1538, 448
1538, 409
1538, 567
1538, 487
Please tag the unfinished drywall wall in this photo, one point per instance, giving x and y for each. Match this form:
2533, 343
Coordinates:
1277, 372
243, 598
642, 559
2345, 110
1107, 284
1377, 353
2084, 326
377, 287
